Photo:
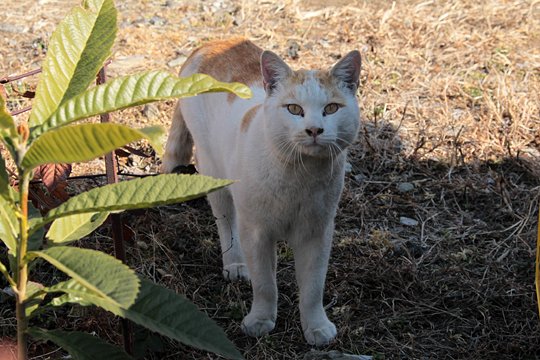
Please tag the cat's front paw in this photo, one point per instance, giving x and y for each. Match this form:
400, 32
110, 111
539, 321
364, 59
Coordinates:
321, 334
236, 272
255, 326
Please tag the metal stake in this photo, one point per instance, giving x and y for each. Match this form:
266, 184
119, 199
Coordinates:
111, 168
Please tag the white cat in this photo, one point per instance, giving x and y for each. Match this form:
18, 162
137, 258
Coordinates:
287, 147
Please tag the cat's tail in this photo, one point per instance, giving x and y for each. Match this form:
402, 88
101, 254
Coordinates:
179, 148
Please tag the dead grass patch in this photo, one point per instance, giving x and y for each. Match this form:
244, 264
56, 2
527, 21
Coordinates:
451, 104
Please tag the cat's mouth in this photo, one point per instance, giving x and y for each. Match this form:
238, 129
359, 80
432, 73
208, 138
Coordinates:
316, 147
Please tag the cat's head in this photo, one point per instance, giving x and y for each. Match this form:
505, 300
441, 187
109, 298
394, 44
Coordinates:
313, 112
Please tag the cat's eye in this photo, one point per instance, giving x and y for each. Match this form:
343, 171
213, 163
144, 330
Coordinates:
330, 109
295, 109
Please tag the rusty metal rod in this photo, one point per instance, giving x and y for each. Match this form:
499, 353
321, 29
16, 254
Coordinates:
111, 168
7, 79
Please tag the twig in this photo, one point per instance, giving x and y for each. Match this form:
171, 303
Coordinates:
7, 79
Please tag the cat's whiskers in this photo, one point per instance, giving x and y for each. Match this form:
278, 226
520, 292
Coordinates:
300, 158
285, 149
347, 142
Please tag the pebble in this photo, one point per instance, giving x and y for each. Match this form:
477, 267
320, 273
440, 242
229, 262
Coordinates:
333, 355
177, 61
407, 221
127, 64
405, 187
150, 111
360, 178
12, 28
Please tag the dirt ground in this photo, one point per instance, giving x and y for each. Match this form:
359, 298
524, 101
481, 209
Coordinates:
435, 238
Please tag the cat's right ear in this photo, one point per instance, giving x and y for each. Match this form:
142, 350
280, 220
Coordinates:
273, 70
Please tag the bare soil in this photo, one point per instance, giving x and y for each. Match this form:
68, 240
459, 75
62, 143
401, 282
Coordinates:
435, 239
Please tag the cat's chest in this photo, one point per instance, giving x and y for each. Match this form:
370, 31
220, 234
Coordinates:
283, 200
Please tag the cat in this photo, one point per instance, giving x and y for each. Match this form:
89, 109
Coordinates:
286, 146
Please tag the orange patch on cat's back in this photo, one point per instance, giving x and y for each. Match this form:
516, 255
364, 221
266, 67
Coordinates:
232, 60
248, 116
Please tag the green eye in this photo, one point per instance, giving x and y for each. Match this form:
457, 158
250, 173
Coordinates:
295, 109
330, 109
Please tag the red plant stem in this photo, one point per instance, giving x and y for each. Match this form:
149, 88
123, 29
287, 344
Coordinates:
7, 79
20, 111
111, 168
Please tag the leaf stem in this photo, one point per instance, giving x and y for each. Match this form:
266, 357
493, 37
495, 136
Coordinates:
12, 282
21, 271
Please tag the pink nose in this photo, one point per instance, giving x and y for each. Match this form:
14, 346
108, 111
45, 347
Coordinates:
314, 131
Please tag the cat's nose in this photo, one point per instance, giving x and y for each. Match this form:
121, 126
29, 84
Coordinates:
314, 131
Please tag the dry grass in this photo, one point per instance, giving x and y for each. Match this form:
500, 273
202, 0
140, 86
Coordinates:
451, 104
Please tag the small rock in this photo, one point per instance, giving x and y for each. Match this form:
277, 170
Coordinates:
333, 355
13, 28
360, 178
150, 111
348, 167
127, 64
405, 187
293, 49
142, 245
157, 21
407, 221
177, 62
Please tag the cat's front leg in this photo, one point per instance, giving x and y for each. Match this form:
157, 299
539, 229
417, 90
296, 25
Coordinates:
260, 253
311, 254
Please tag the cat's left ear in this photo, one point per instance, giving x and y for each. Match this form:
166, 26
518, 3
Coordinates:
348, 69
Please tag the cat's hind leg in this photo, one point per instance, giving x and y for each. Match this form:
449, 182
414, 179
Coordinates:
179, 148
234, 265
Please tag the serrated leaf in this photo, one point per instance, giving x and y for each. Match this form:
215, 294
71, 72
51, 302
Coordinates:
102, 274
133, 90
68, 298
71, 228
53, 174
76, 51
165, 312
137, 194
81, 346
84, 142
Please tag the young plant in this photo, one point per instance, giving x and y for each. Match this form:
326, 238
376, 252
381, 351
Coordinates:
77, 50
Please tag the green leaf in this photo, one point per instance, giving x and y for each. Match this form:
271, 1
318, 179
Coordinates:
137, 194
67, 297
73, 227
102, 274
9, 229
163, 311
81, 346
84, 142
35, 294
8, 130
76, 52
133, 90
35, 240
5, 188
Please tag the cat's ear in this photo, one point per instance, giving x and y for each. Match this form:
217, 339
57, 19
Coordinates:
273, 70
348, 69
